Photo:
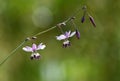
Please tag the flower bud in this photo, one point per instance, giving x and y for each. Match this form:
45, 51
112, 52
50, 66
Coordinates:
83, 19
92, 20
77, 34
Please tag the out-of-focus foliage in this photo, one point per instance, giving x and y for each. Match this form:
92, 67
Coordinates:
95, 57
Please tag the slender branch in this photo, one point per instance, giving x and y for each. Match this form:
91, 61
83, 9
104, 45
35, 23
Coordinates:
44, 31
73, 15
12, 53
74, 24
66, 21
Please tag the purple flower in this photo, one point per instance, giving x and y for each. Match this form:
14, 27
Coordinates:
33, 49
65, 37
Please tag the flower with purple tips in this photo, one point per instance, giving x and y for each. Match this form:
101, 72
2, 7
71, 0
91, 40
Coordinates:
65, 37
77, 34
33, 49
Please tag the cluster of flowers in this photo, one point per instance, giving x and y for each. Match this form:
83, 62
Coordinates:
64, 36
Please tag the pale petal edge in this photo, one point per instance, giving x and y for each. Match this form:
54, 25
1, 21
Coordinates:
61, 37
40, 46
27, 49
72, 34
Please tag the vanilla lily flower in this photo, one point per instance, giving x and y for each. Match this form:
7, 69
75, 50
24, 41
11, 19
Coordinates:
33, 49
65, 37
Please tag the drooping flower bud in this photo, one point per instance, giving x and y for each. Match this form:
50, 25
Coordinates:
92, 20
77, 34
83, 19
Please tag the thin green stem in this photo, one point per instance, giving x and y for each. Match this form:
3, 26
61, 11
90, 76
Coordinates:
44, 31
74, 24
73, 15
12, 53
61, 30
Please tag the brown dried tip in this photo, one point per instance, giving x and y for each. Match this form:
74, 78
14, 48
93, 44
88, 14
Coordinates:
27, 39
34, 38
73, 18
84, 7
61, 24
92, 20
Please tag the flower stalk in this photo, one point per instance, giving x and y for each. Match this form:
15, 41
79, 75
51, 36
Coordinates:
13, 52
64, 36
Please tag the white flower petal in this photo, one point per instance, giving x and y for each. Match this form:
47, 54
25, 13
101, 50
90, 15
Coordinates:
32, 55
27, 49
37, 54
66, 42
69, 33
41, 46
61, 37
72, 34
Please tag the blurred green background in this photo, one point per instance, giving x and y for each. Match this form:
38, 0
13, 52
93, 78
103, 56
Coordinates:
95, 57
